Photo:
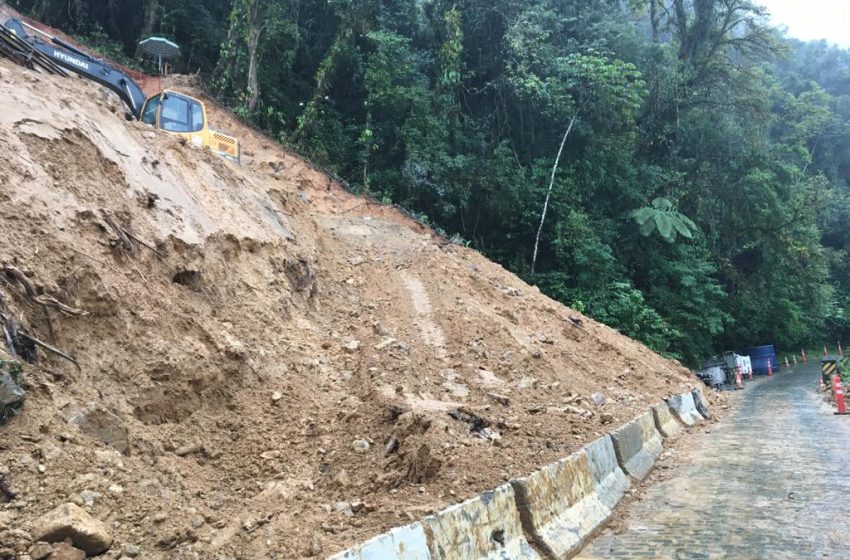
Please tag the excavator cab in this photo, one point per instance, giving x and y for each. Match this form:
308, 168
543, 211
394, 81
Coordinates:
178, 113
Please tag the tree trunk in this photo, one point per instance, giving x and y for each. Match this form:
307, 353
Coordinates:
151, 15
255, 29
653, 19
682, 28
549, 192
701, 30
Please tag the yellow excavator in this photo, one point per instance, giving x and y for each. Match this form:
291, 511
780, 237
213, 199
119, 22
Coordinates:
178, 113
170, 111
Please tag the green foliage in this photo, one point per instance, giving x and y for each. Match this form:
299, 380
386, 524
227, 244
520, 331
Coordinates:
622, 305
115, 28
449, 55
663, 218
843, 366
99, 42
618, 304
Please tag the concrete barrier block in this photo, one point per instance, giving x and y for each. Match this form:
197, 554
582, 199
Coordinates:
401, 543
559, 506
684, 408
701, 403
609, 479
484, 528
637, 445
564, 504
664, 421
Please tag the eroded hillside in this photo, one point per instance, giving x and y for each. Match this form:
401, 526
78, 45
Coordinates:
269, 367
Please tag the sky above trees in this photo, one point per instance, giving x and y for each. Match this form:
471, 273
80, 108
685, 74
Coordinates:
812, 20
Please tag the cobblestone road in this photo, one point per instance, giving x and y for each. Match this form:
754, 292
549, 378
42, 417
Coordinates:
771, 481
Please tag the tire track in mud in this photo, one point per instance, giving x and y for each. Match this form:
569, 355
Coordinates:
431, 333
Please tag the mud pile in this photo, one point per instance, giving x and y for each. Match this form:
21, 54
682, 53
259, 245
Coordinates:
269, 367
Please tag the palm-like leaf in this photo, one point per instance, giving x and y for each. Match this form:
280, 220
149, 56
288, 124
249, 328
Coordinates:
663, 217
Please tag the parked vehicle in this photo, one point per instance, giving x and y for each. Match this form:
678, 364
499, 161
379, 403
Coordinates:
721, 371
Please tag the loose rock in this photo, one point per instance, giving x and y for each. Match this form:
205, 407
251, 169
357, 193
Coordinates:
64, 551
360, 445
71, 521
344, 508
88, 497
385, 343
40, 551
188, 449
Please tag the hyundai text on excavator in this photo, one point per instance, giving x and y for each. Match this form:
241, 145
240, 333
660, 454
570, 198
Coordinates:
171, 111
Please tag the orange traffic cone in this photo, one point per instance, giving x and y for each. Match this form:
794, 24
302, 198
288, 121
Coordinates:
739, 381
839, 395
803, 355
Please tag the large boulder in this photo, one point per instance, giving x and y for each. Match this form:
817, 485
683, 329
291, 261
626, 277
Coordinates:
70, 521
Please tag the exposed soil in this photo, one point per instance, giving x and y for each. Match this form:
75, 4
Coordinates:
300, 370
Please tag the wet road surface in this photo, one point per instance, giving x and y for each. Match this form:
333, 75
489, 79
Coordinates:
771, 481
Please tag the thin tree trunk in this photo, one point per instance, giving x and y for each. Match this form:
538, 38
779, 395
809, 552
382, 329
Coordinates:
682, 28
653, 18
151, 14
255, 29
549, 192
366, 151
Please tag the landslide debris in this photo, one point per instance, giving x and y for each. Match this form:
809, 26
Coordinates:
269, 367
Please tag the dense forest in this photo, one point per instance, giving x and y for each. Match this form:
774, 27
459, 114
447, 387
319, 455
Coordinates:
677, 169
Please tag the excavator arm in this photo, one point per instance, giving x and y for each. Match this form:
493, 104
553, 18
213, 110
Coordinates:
75, 60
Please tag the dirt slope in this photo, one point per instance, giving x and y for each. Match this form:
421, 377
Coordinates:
298, 371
